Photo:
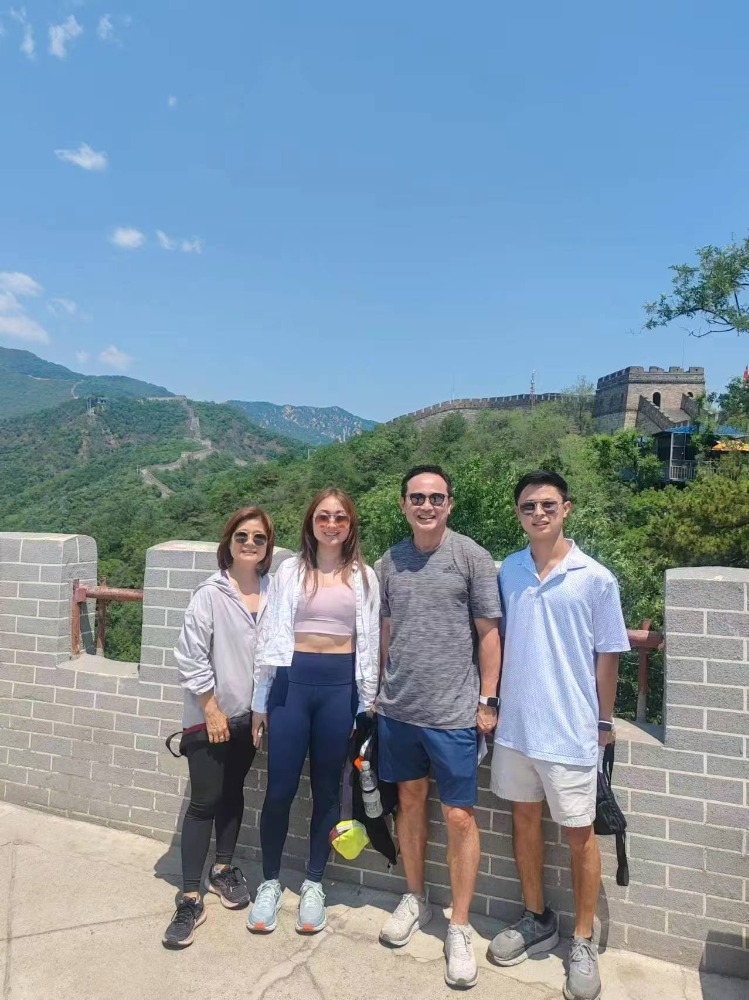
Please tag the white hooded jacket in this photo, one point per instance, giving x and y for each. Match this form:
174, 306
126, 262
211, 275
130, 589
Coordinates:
276, 634
216, 648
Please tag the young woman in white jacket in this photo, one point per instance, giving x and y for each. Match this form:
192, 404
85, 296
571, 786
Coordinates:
315, 668
215, 657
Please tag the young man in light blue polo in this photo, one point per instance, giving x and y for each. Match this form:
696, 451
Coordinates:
563, 633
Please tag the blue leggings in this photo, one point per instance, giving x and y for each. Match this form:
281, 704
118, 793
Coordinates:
312, 706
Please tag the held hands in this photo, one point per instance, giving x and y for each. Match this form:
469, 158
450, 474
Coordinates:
259, 726
486, 719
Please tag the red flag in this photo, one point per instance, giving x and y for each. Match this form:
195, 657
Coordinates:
746, 376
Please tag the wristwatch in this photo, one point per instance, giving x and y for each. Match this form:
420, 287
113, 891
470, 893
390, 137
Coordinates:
604, 726
490, 702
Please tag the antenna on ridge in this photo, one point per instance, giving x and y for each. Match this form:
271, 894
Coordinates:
533, 389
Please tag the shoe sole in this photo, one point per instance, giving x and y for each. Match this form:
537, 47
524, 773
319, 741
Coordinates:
227, 902
535, 949
574, 996
404, 941
177, 945
261, 928
311, 928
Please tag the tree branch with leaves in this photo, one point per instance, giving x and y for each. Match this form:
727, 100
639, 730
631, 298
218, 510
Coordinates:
714, 291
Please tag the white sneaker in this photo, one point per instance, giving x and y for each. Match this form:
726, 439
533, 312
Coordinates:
461, 971
409, 915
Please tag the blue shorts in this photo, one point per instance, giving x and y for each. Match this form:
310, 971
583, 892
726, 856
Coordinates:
406, 751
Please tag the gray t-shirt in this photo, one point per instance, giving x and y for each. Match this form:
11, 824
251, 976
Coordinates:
431, 598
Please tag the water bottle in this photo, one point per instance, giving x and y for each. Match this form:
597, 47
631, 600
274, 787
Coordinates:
370, 791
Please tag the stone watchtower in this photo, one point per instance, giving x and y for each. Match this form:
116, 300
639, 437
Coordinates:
650, 401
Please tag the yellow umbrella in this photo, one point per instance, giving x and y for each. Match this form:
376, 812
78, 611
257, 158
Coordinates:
730, 446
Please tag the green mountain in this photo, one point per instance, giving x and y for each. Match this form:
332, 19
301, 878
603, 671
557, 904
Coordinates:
29, 384
311, 424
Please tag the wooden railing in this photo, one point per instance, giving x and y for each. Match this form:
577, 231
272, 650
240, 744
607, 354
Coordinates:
644, 641
102, 594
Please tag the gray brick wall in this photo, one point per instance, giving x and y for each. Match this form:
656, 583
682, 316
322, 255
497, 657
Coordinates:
90, 745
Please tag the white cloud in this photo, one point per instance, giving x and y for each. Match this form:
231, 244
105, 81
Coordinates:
127, 238
60, 306
28, 46
115, 358
84, 157
105, 28
61, 34
23, 327
165, 242
194, 245
82, 357
19, 284
171, 101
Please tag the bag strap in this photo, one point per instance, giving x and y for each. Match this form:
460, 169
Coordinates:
168, 742
608, 761
622, 870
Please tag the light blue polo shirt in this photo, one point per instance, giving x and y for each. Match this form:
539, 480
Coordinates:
552, 632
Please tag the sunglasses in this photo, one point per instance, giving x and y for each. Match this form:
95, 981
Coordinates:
435, 499
243, 537
549, 507
339, 520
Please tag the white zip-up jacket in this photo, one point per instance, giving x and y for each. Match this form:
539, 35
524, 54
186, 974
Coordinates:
275, 646
216, 648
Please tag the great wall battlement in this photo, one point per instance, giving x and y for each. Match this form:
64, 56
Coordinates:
470, 407
616, 404
84, 737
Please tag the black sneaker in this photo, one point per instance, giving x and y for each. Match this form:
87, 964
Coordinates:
230, 886
190, 913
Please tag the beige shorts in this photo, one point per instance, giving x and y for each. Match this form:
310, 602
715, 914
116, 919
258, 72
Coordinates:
570, 789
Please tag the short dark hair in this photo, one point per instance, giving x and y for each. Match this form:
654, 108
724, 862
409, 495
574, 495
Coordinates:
223, 554
422, 470
542, 478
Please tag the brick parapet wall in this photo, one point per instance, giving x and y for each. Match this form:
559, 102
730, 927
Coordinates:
87, 742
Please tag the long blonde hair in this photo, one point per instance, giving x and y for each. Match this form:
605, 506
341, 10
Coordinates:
351, 550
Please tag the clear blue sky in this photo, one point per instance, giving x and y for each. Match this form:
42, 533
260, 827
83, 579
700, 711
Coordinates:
366, 204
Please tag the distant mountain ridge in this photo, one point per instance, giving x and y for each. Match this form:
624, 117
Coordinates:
29, 384
311, 424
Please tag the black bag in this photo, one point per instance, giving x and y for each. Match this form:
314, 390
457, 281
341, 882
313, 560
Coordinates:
352, 804
610, 819
240, 725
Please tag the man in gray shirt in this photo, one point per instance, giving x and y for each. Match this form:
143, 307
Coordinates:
440, 670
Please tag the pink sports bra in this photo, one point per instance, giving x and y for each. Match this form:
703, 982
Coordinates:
329, 611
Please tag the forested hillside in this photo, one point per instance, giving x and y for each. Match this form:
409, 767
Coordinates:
312, 424
29, 384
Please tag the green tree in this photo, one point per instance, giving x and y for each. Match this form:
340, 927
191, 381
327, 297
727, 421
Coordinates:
713, 290
734, 402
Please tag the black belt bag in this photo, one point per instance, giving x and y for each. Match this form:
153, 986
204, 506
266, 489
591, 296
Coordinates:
240, 725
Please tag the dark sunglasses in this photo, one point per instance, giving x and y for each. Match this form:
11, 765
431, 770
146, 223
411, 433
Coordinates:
549, 507
435, 499
243, 537
339, 520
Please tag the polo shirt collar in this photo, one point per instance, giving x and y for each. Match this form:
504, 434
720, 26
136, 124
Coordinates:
575, 559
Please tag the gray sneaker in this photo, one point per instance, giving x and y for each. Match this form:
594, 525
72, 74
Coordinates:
461, 971
409, 915
311, 917
526, 937
263, 915
583, 980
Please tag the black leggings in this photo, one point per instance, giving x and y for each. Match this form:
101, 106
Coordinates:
217, 773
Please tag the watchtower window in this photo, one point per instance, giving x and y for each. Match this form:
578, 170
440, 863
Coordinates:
656, 399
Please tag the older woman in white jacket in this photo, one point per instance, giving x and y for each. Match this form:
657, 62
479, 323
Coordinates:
317, 666
215, 658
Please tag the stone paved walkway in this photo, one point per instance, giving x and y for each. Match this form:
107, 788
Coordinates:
85, 908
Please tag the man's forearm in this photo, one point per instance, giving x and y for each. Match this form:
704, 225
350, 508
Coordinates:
489, 661
607, 674
384, 643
